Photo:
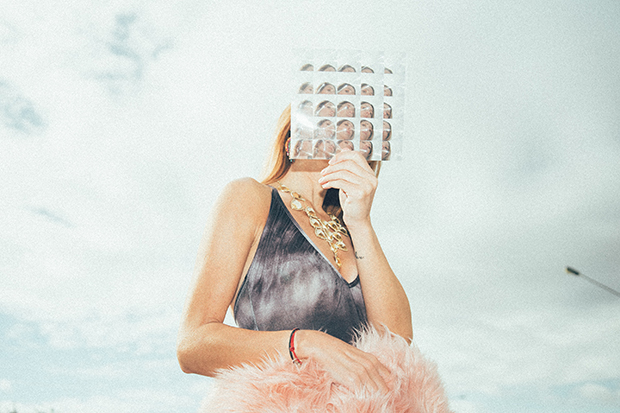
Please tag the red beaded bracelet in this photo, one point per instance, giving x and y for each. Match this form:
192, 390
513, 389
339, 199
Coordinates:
291, 348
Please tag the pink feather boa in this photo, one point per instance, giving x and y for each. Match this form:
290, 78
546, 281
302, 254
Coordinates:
278, 386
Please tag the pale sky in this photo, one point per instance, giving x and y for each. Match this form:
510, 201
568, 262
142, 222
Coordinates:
121, 121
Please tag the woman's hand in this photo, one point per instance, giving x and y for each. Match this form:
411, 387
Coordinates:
347, 365
350, 172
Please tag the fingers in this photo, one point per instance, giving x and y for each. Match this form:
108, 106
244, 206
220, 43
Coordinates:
349, 165
350, 189
357, 184
349, 181
368, 372
350, 177
343, 176
349, 366
355, 156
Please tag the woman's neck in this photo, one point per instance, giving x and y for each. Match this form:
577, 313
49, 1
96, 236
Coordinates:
303, 178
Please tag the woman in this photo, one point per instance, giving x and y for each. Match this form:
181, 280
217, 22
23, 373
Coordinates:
324, 130
346, 89
305, 108
366, 130
326, 88
303, 149
385, 150
345, 130
345, 145
367, 90
325, 109
306, 88
366, 149
327, 68
367, 110
346, 110
324, 149
387, 111
387, 131
256, 232
347, 69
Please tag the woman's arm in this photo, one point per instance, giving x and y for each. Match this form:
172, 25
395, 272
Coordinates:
205, 344
385, 298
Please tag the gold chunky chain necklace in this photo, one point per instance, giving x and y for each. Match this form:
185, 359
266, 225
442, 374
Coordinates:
330, 231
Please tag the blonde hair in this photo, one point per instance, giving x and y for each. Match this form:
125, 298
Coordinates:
278, 163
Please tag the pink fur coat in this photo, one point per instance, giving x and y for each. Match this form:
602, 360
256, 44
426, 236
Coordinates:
278, 386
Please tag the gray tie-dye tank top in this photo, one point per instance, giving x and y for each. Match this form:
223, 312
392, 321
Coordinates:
290, 283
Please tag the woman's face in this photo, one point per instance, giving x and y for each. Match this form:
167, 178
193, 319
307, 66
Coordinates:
345, 130
366, 130
387, 111
385, 151
366, 110
306, 89
319, 150
327, 89
330, 148
325, 130
345, 145
327, 68
367, 90
305, 108
347, 69
387, 91
303, 149
346, 110
326, 110
387, 131
346, 90
366, 69
324, 149
366, 149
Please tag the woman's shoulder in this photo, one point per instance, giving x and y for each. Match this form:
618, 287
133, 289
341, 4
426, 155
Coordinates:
248, 189
245, 197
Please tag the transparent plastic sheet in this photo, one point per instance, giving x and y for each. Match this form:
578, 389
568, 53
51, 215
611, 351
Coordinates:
347, 99
395, 75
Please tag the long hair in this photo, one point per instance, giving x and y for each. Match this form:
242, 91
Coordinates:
278, 163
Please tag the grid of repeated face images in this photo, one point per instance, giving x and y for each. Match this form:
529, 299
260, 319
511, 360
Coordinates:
348, 99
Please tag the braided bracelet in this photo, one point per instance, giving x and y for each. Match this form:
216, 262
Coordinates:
291, 348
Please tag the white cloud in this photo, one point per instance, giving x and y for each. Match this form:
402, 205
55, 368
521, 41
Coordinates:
5, 386
130, 401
